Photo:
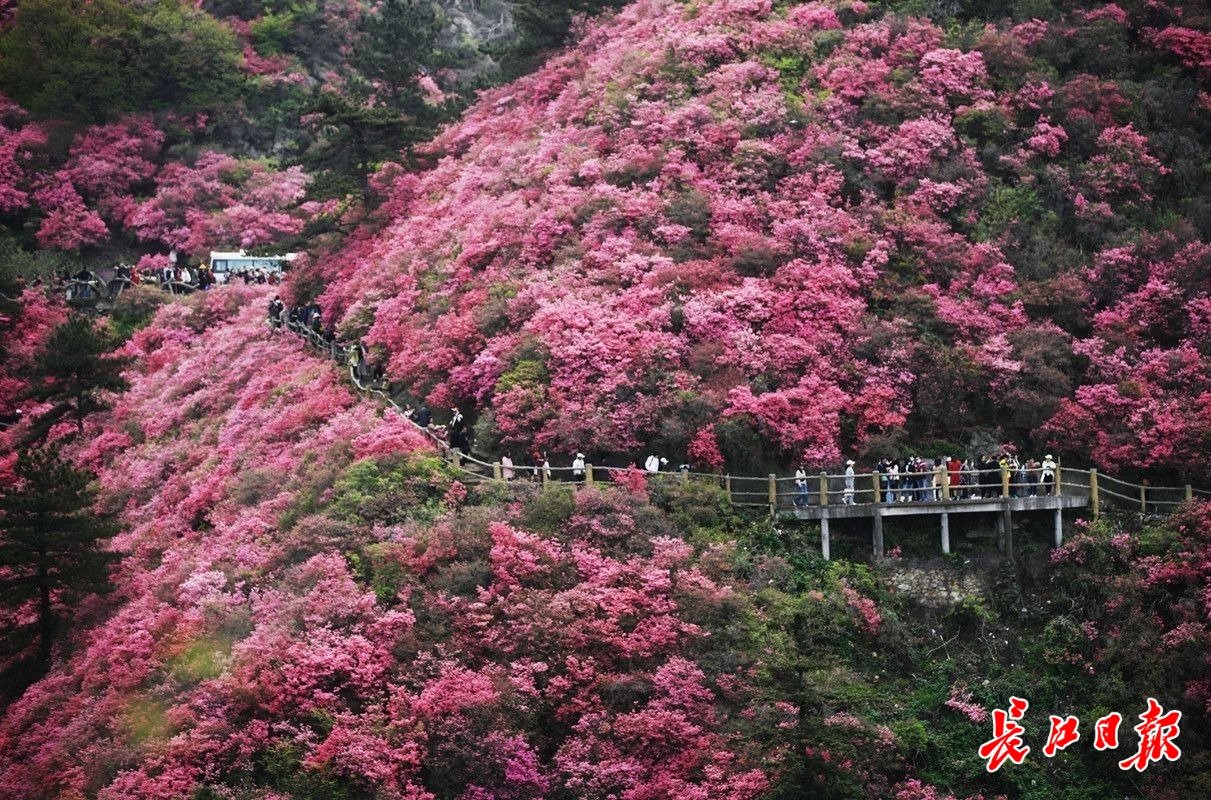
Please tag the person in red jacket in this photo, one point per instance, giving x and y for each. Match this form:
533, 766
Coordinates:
954, 469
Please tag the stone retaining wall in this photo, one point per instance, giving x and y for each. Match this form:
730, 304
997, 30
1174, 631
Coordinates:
935, 585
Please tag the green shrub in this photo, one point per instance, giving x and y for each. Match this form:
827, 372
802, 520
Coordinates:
134, 309
391, 490
550, 509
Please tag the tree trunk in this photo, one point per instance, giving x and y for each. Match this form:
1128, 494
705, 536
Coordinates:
46, 615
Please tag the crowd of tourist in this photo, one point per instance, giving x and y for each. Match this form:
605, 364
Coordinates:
85, 284
921, 480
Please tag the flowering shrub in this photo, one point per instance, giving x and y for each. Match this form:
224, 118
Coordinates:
1149, 382
19, 140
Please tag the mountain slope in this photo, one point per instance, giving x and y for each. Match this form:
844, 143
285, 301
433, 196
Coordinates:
734, 231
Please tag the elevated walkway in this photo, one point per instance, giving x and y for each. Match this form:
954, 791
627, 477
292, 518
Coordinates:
1003, 507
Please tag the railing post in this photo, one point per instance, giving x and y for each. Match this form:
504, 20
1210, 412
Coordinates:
685, 476
727, 484
1189, 493
1144, 498
946, 485
1056, 482
543, 472
497, 472
588, 474
1004, 481
773, 493
823, 489
874, 482
1093, 499
877, 535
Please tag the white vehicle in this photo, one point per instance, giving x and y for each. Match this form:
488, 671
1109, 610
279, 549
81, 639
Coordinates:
230, 263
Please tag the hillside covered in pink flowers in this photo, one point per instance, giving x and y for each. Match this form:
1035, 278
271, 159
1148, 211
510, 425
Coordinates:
747, 235
814, 230
310, 604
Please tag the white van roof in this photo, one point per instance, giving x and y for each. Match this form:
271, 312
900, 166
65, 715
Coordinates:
241, 254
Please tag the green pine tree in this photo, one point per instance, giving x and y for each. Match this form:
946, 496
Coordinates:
73, 373
51, 546
396, 43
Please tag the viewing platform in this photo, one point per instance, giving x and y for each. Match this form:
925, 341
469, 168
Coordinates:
1002, 507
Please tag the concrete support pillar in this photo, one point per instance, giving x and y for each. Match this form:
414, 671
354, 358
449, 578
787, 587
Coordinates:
1008, 533
945, 533
1093, 499
878, 536
824, 541
1059, 526
1000, 532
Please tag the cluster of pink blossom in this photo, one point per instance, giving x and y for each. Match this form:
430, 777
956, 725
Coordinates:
1147, 400
960, 700
19, 141
710, 214
120, 179
1126, 574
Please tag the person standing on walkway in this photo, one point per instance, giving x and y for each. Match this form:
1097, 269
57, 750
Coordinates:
276, 306
506, 467
954, 474
800, 488
578, 468
459, 438
848, 497
422, 416
1048, 475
